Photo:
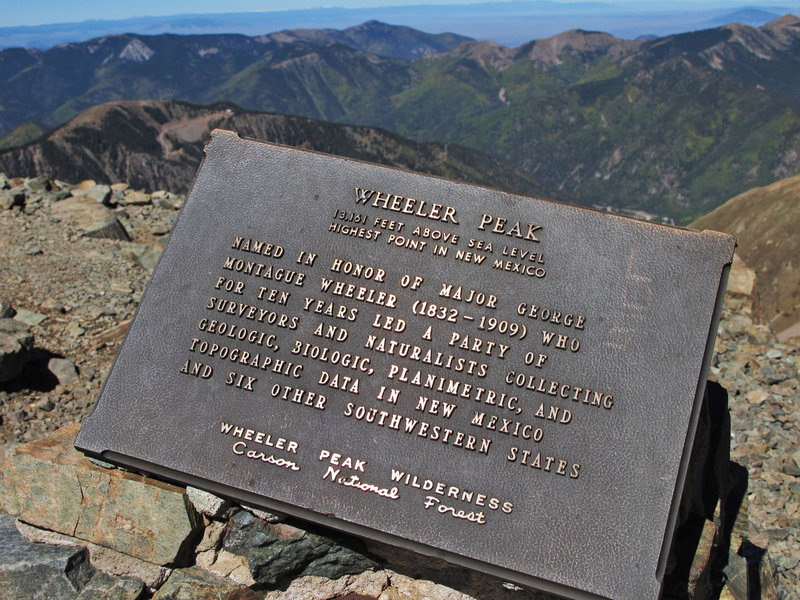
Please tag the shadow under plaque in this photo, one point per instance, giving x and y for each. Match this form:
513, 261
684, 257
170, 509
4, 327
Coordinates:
507, 383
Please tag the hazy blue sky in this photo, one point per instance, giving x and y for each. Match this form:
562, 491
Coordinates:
37, 12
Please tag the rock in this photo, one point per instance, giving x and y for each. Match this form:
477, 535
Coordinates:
101, 463
49, 484
166, 200
45, 404
226, 564
221, 562
207, 503
196, 584
107, 560
160, 228
74, 330
269, 517
701, 584
790, 465
742, 279
64, 370
99, 193
795, 456
436, 579
111, 229
6, 450
106, 586
11, 198
58, 195
38, 185
406, 588
363, 586
144, 256
113, 334
32, 204
757, 335
6, 310
93, 218
120, 286
52, 306
135, 198
280, 552
757, 396
29, 317
31, 570
16, 345
212, 537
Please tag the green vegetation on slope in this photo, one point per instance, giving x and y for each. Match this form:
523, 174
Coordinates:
27, 132
674, 126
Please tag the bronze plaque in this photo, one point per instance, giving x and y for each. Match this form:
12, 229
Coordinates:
508, 383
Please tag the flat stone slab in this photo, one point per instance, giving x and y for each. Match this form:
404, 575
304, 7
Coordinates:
47, 483
96, 220
504, 382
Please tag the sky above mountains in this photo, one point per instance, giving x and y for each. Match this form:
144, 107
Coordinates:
45, 23
42, 12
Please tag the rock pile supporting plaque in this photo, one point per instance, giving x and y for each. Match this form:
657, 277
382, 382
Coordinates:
238, 552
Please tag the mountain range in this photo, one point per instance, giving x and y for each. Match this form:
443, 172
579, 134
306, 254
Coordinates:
154, 144
510, 23
674, 126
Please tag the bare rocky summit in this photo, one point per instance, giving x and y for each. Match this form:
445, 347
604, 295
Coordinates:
764, 221
76, 259
152, 144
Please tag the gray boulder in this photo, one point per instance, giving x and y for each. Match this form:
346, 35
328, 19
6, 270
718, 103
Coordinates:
277, 553
16, 346
30, 570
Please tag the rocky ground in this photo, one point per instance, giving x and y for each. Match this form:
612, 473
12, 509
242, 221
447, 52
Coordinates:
73, 270
76, 260
761, 377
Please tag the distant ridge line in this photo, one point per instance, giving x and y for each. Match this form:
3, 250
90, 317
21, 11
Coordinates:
508, 23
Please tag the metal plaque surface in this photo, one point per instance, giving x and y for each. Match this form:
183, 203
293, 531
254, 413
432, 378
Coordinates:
508, 383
